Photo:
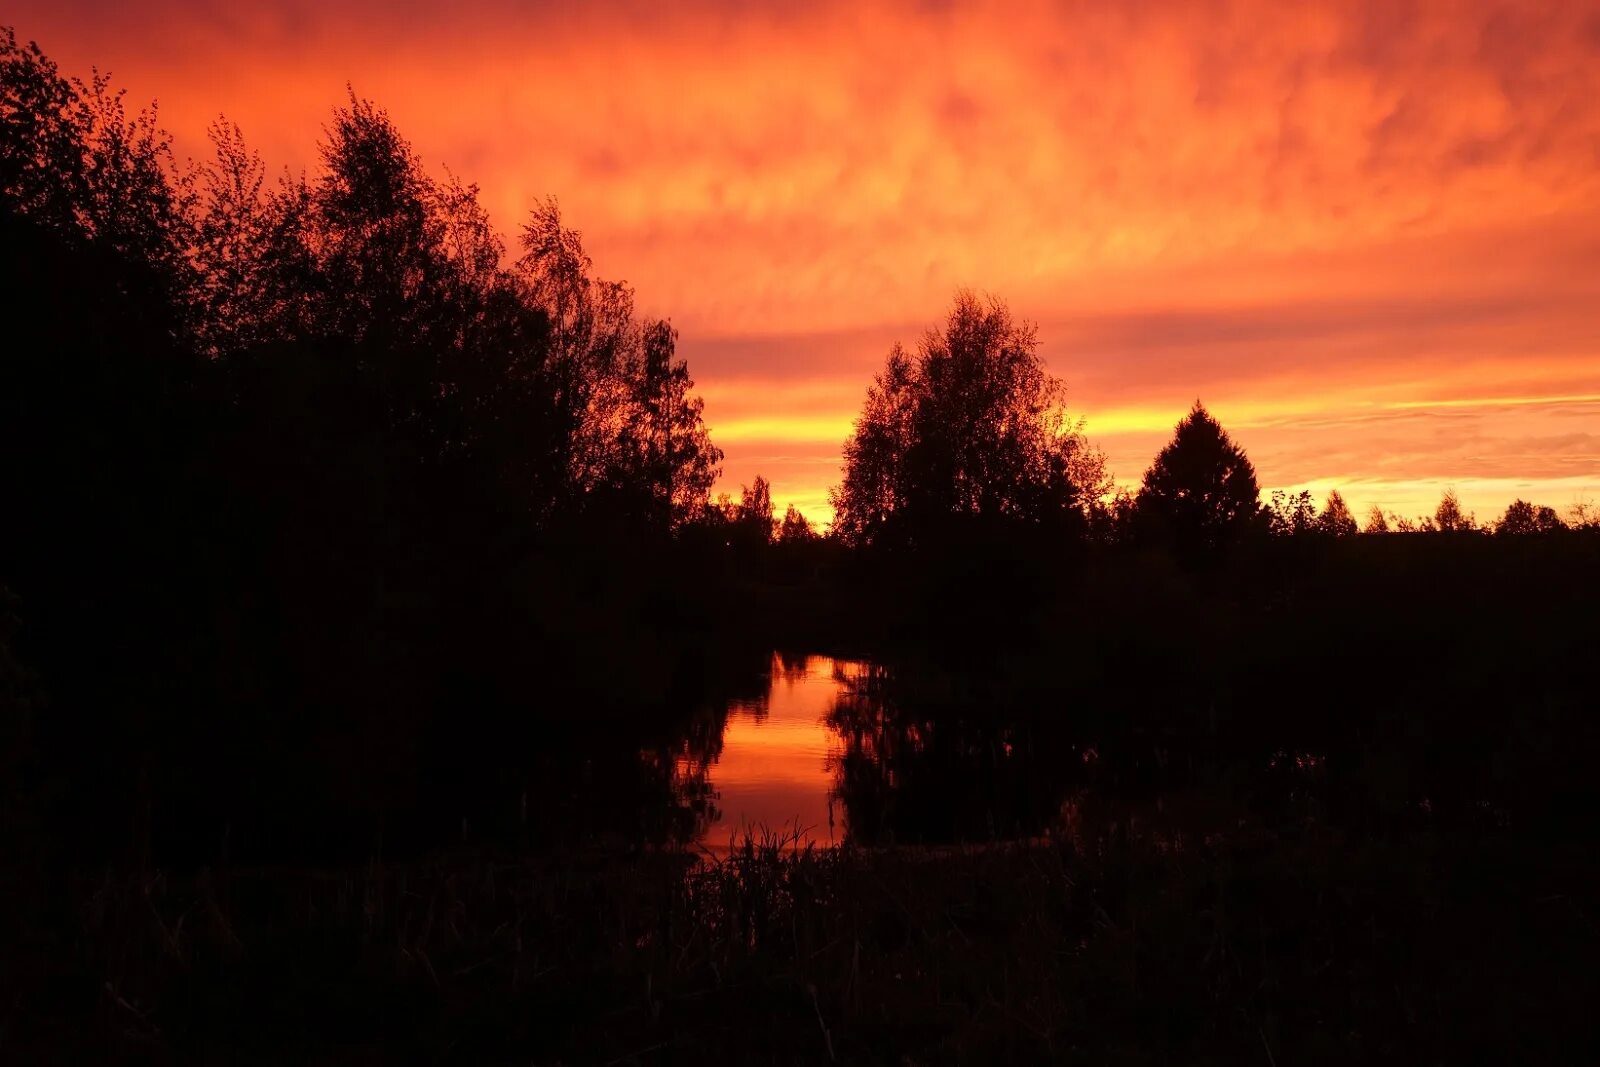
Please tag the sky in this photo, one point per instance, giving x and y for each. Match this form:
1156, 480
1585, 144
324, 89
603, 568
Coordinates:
1366, 236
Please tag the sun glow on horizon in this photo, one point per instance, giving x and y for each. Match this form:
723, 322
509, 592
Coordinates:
1364, 235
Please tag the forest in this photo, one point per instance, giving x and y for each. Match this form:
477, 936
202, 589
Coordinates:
364, 595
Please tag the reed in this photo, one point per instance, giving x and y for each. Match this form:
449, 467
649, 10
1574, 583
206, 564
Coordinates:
1114, 947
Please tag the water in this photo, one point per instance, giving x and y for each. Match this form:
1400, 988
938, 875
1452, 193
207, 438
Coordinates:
778, 767
823, 750
817, 751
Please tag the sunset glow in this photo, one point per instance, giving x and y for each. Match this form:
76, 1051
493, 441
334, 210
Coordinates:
1366, 236
776, 772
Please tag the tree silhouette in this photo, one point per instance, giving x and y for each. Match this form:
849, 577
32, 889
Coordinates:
43, 153
1291, 514
1449, 518
970, 428
675, 459
1336, 518
1523, 518
755, 510
796, 529
1201, 492
631, 424
309, 451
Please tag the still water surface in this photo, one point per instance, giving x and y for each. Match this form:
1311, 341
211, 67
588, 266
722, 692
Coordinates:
778, 767
816, 751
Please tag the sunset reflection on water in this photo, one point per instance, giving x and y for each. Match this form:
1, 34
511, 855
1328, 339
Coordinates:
777, 770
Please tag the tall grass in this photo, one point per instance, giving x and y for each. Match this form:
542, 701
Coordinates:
1108, 948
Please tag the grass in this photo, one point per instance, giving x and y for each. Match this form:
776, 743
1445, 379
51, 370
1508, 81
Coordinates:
1113, 948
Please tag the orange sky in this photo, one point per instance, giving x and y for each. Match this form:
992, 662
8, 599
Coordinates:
1367, 236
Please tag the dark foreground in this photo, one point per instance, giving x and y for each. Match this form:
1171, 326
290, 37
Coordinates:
1124, 947
1343, 816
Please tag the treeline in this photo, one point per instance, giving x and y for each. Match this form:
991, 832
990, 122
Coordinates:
971, 433
328, 515
307, 479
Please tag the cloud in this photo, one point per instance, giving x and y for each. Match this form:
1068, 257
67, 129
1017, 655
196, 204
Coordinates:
1314, 208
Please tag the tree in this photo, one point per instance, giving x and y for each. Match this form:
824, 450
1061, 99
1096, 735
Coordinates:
1201, 491
755, 510
970, 428
320, 423
1449, 518
1291, 514
796, 529
105, 444
139, 204
1522, 518
683, 462
230, 251
379, 234
633, 428
1377, 523
44, 149
874, 489
1336, 518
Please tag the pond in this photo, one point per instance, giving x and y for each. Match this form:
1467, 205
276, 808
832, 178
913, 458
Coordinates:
824, 750
776, 773
817, 751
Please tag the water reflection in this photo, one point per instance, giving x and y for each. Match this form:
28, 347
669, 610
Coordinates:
925, 763
775, 768
836, 749
818, 751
